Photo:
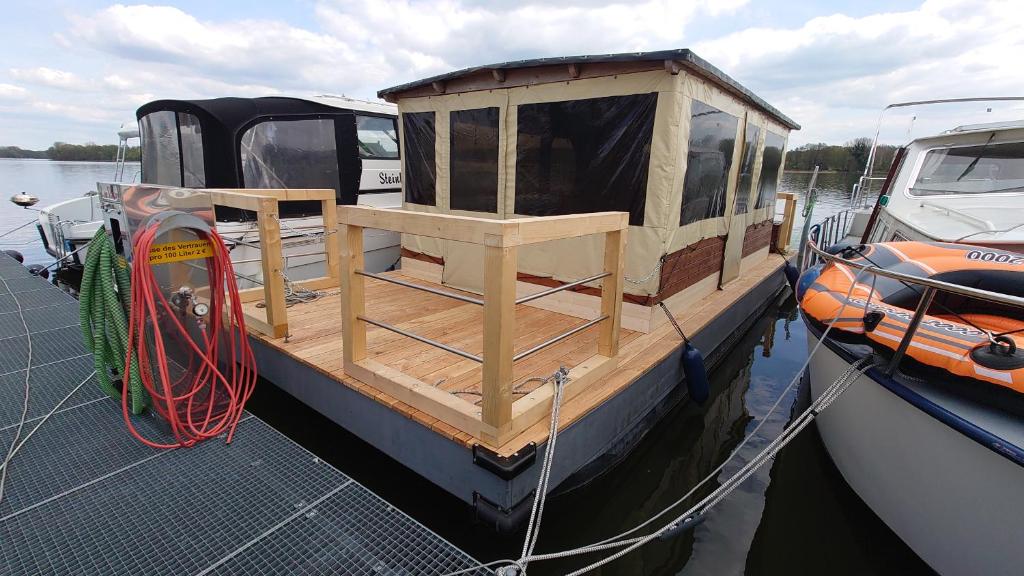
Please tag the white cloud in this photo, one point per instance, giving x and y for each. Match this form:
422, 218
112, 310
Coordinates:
417, 40
51, 77
832, 73
835, 73
12, 93
256, 52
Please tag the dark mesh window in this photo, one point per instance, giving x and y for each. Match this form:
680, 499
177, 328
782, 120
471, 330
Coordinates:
585, 156
291, 154
172, 149
474, 160
161, 156
770, 165
708, 160
746, 169
420, 175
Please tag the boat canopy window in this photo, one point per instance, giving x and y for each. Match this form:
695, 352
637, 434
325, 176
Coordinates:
290, 153
172, 149
192, 164
708, 161
588, 155
474, 160
980, 169
420, 173
377, 137
747, 157
771, 163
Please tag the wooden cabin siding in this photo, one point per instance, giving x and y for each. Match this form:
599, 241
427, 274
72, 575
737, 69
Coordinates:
757, 237
684, 268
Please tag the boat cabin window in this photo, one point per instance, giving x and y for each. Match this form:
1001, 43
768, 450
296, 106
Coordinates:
474, 160
980, 169
771, 163
290, 154
192, 163
378, 138
587, 155
420, 170
747, 157
172, 149
708, 161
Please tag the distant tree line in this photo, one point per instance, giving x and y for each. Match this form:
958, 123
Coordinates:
63, 151
850, 157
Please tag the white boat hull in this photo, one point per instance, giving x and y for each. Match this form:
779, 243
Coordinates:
954, 501
70, 225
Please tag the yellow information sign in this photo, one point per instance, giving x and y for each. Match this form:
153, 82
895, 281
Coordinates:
178, 251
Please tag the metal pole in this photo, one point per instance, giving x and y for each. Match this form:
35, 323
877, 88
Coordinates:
558, 338
445, 293
922, 307
812, 195
562, 287
423, 339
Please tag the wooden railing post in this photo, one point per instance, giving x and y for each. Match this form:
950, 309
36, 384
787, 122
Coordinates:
273, 266
353, 330
500, 264
788, 217
331, 240
611, 293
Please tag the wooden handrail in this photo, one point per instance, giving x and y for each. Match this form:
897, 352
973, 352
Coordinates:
788, 218
500, 239
266, 204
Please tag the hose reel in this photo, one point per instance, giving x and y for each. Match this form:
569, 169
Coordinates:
184, 347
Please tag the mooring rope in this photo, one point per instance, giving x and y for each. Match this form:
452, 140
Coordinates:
696, 513
559, 379
28, 375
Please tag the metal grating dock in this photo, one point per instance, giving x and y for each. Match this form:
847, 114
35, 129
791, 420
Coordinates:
84, 497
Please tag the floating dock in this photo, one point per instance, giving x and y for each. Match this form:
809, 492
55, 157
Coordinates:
84, 497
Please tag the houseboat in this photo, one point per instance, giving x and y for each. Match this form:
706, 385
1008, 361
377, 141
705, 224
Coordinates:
550, 208
921, 310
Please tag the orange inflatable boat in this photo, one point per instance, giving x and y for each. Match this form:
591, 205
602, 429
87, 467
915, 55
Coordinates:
962, 336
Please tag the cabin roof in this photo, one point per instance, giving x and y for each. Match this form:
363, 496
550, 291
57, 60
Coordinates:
233, 113
682, 56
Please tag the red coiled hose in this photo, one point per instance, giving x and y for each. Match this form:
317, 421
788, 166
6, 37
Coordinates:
205, 402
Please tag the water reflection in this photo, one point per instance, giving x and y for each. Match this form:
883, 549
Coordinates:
768, 525
834, 192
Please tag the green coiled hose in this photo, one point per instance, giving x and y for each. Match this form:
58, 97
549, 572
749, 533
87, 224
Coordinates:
104, 302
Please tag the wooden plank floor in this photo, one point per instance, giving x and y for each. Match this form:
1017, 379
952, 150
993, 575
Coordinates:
315, 339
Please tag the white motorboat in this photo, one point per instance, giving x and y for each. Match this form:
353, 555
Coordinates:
931, 436
333, 142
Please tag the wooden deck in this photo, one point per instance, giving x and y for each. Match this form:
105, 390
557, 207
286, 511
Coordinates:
315, 339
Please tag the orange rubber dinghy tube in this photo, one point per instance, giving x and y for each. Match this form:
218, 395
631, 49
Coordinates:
952, 338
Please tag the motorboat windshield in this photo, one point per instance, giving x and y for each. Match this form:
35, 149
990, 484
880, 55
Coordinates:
988, 168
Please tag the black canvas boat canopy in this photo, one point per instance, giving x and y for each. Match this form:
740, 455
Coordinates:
269, 142
681, 57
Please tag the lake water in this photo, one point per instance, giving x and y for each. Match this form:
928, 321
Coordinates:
795, 517
51, 182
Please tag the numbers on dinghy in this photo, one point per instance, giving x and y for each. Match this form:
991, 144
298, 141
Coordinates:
997, 257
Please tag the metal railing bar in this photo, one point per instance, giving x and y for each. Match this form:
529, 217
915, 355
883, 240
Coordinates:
423, 339
550, 291
445, 293
915, 321
558, 338
1007, 299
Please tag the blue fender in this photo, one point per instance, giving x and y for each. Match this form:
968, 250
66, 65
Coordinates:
696, 374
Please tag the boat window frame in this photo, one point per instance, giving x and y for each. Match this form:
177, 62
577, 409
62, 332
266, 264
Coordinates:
919, 163
301, 206
394, 121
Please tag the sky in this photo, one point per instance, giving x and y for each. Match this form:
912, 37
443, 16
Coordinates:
73, 71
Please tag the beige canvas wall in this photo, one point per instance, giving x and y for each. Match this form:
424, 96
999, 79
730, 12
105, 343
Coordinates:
568, 260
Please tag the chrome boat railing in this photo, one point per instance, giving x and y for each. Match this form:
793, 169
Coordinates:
930, 287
